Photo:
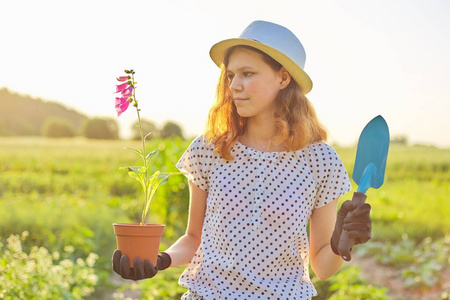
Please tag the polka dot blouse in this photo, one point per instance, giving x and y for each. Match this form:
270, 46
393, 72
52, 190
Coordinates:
254, 238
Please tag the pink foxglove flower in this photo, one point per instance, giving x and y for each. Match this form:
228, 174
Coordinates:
123, 78
127, 92
121, 87
121, 105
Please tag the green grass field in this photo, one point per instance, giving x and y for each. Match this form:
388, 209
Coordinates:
414, 198
69, 192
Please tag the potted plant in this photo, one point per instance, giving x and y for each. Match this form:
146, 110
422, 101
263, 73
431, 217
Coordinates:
139, 239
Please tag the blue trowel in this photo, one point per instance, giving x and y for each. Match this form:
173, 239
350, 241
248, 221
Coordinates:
368, 172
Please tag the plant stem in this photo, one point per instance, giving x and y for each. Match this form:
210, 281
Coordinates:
144, 152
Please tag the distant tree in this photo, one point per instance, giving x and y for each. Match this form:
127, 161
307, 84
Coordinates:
55, 127
148, 126
99, 128
171, 129
400, 140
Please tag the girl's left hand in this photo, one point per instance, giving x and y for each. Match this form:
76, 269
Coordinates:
358, 224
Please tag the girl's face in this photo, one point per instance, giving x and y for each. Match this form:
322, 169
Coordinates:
254, 85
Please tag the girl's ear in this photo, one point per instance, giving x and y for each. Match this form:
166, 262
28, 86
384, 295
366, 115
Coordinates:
285, 78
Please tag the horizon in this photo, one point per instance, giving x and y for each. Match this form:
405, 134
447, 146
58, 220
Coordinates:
394, 139
365, 59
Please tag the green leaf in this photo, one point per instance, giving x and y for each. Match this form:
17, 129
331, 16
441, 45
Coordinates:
145, 137
152, 155
154, 182
137, 173
134, 150
161, 178
157, 179
137, 170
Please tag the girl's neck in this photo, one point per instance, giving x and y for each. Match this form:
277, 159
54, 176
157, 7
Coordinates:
259, 135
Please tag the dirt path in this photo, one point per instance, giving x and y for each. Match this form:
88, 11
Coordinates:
389, 277
131, 293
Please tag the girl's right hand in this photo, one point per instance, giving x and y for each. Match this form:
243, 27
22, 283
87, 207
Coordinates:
121, 265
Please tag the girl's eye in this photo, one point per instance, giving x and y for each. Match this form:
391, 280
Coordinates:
230, 76
248, 74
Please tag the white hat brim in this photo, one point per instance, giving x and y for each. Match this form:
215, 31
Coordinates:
219, 50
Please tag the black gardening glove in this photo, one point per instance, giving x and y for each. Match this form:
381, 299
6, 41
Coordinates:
121, 265
358, 224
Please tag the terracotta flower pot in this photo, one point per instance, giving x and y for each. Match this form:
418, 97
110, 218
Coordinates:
142, 241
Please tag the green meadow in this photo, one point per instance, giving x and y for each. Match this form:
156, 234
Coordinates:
59, 198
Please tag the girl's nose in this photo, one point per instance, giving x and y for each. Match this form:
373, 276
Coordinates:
235, 84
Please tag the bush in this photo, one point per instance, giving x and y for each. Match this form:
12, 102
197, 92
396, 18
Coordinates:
147, 126
171, 129
57, 128
41, 275
104, 129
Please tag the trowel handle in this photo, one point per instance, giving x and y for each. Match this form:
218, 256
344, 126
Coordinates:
346, 243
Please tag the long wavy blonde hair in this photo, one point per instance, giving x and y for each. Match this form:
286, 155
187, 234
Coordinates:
295, 118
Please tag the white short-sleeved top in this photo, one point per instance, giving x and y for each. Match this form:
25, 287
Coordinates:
254, 238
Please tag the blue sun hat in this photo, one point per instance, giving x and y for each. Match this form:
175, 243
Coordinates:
276, 41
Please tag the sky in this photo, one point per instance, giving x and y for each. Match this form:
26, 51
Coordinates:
365, 58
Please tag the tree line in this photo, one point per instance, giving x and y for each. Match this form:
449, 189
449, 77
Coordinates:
25, 116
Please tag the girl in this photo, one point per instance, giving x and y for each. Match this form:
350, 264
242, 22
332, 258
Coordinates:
257, 176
